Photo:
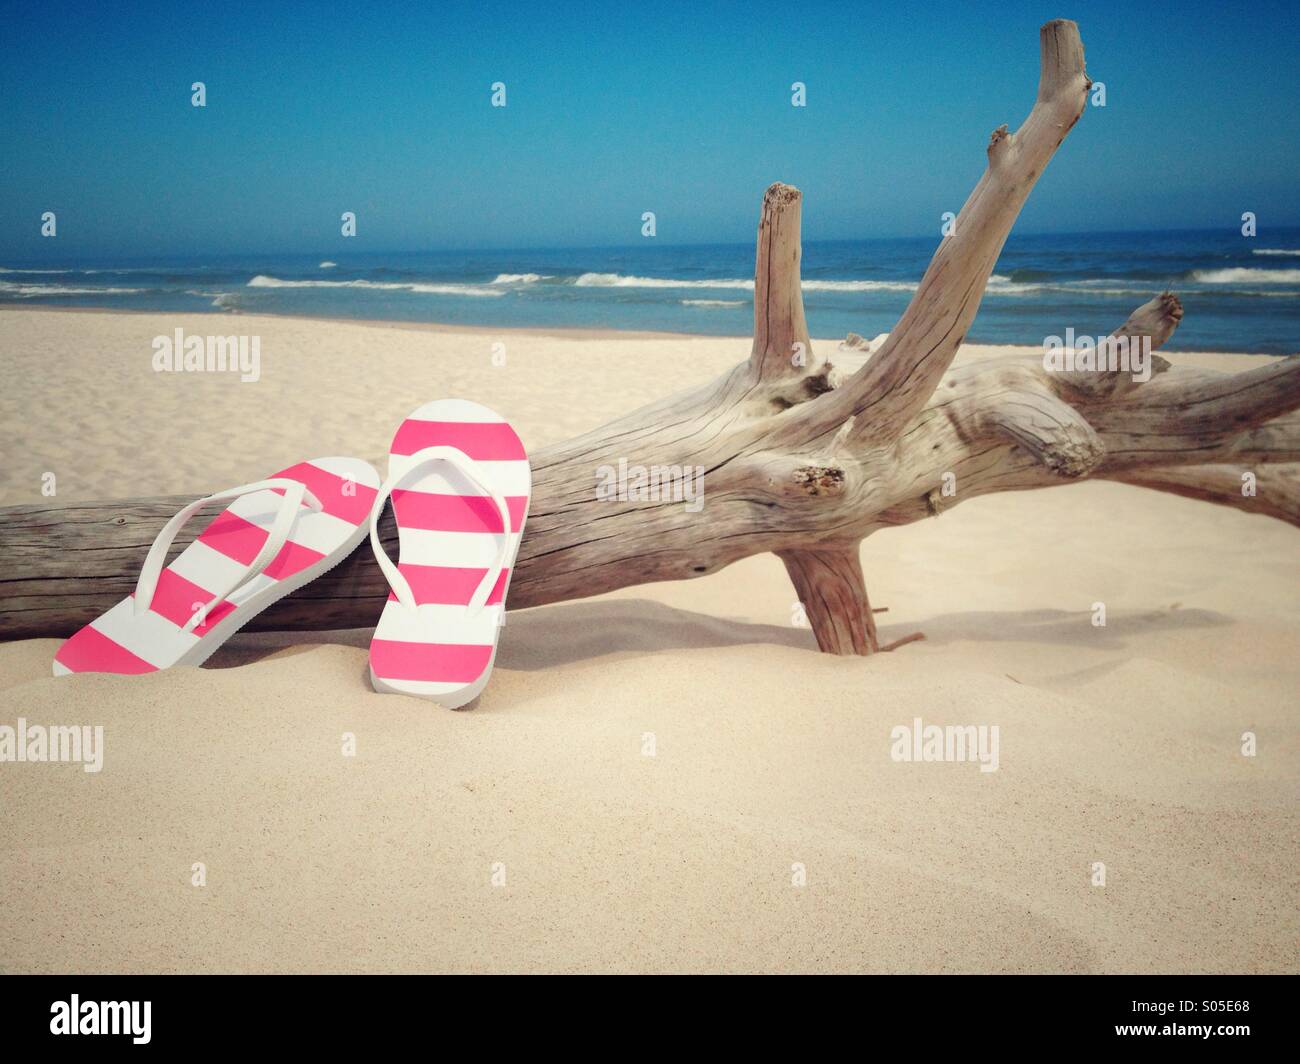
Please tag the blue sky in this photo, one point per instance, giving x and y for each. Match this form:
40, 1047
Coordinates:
613, 109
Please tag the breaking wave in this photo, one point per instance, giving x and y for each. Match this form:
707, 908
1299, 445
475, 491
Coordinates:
28, 291
520, 278
262, 281
1247, 275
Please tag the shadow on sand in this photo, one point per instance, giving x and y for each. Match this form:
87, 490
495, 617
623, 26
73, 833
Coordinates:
566, 634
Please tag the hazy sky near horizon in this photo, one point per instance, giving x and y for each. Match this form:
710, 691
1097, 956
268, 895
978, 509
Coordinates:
613, 110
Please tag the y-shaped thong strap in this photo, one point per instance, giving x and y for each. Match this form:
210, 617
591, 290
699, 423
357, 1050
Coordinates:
470, 469
295, 494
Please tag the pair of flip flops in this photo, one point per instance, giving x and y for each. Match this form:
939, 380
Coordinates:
459, 483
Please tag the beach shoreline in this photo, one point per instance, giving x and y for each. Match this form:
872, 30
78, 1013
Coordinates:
1210, 359
1241, 292
574, 333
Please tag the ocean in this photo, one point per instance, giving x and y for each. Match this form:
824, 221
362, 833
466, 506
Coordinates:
1240, 294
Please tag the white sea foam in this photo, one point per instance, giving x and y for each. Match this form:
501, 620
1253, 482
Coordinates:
26, 291
860, 286
1283, 252
712, 302
999, 285
263, 281
520, 278
618, 280
327, 265
1239, 274
1030, 288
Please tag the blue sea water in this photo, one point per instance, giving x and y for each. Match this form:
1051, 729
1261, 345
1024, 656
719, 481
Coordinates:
1240, 294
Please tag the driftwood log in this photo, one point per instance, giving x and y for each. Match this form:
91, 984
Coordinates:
800, 458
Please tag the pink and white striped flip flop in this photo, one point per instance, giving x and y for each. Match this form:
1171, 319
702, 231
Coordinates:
459, 479
277, 535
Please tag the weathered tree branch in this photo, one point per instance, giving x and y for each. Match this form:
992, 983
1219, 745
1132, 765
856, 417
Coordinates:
1051, 430
1275, 491
780, 332
795, 461
1157, 319
886, 394
829, 584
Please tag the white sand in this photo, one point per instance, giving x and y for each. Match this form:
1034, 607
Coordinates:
1118, 744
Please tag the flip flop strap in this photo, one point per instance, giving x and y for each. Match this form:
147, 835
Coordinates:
475, 474
295, 494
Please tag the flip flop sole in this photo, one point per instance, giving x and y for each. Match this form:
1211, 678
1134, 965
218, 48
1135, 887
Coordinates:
449, 537
122, 641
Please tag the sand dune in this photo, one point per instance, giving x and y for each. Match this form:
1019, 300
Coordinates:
1118, 744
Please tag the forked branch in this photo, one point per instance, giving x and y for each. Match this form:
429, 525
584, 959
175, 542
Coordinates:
891, 389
